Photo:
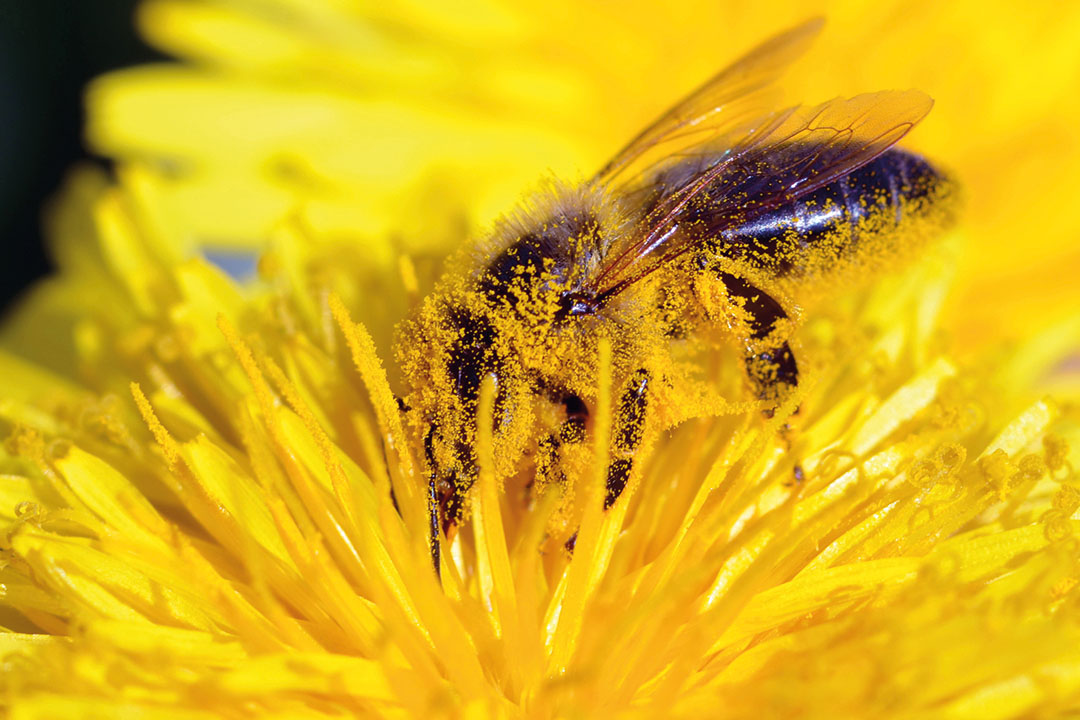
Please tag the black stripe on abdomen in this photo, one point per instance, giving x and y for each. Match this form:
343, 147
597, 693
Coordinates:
881, 190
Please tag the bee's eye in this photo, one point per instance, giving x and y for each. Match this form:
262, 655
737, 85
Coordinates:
520, 263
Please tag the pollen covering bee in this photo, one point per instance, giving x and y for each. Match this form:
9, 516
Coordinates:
726, 214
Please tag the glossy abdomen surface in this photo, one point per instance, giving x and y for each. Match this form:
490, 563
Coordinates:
875, 212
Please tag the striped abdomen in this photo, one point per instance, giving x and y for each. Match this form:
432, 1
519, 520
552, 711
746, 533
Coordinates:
891, 204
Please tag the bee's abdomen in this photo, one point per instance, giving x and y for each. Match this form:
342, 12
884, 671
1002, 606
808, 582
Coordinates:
873, 210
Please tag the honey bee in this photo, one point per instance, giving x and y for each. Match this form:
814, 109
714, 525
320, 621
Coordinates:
722, 218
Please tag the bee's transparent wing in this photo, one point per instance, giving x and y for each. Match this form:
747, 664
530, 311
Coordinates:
765, 164
731, 98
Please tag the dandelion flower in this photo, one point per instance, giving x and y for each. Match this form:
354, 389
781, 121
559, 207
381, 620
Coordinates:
210, 507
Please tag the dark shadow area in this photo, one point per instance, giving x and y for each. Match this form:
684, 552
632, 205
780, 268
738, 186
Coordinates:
49, 50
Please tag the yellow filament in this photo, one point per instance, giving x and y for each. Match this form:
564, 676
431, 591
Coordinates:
367, 362
593, 546
493, 560
161, 435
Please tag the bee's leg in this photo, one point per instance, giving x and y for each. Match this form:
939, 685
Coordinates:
433, 525
773, 371
433, 503
629, 430
454, 496
547, 456
570, 432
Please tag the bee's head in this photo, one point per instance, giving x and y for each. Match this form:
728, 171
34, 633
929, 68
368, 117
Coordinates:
447, 352
514, 310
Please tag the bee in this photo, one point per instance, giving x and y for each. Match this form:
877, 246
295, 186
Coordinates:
719, 222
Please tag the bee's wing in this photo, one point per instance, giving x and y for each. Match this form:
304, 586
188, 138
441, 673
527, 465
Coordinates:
730, 98
767, 163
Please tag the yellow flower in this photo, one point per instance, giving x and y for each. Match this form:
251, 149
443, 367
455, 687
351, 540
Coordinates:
210, 506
